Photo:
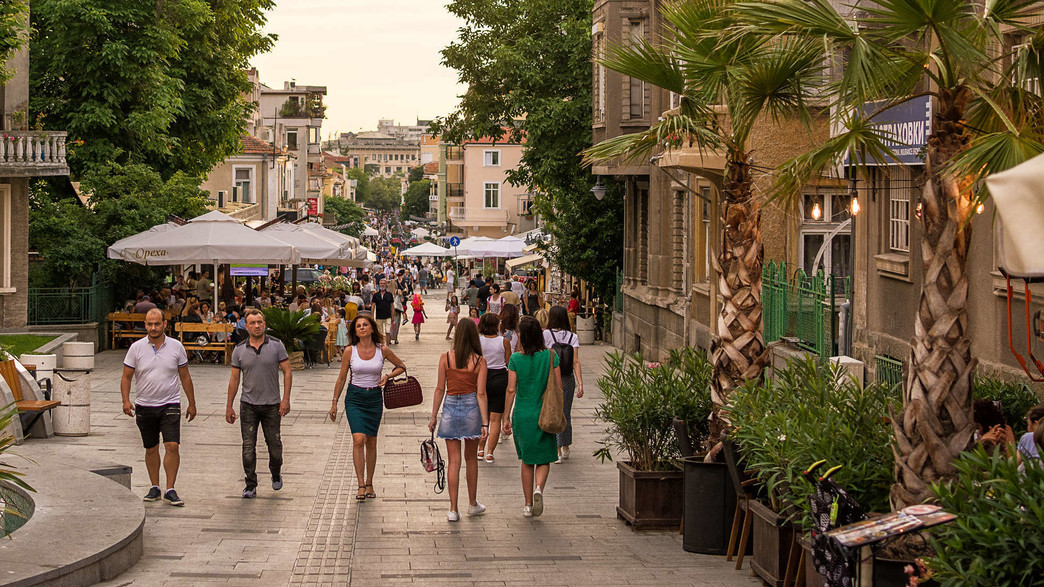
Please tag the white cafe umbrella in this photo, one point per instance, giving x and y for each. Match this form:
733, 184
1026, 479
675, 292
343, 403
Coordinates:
212, 236
130, 240
312, 247
426, 250
370, 231
420, 232
338, 237
1018, 194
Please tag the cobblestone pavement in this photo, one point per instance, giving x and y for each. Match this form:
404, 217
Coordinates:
314, 532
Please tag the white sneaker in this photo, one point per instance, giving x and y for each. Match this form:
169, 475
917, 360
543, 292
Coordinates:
538, 502
453, 516
476, 510
527, 512
565, 453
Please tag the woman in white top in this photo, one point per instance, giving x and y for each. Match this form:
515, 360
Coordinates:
572, 380
363, 402
495, 303
496, 350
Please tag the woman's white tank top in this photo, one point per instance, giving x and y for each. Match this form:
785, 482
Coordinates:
493, 351
367, 373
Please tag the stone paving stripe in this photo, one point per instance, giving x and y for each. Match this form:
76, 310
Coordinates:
188, 575
487, 559
419, 532
589, 515
169, 557
261, 497
425, 575
239, 530
153, 513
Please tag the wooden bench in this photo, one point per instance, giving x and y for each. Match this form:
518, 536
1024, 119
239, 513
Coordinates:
36, 407
137, 330
194, 330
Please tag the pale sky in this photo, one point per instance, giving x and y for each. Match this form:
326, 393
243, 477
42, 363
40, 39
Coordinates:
377, 58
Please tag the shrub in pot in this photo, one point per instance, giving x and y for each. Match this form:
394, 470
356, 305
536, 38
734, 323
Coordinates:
291, 328
1015, 399
640, 402
997, 536
810, 411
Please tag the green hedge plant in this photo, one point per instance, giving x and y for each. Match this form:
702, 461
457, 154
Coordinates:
810, 411
641, 400
998, 536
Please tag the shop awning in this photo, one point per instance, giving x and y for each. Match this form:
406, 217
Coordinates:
526, 260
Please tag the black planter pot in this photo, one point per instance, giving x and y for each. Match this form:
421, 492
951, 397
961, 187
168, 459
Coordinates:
710, 502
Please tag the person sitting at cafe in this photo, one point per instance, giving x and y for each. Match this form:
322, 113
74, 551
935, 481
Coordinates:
992, 428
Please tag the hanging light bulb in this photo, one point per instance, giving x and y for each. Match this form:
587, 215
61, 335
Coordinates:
855, 205
979, 209
817, 212
917, 211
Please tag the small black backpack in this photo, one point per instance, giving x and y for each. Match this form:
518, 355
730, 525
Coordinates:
564, 350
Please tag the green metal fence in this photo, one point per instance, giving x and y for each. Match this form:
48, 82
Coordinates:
802, 307
889, 370
69, 305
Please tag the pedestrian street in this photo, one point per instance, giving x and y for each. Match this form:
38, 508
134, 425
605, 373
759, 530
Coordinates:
313, 531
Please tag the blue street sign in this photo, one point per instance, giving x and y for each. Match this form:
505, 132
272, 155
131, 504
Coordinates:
454, 241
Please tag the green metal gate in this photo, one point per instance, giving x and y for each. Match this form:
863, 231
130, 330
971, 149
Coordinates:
802, 307
69, 305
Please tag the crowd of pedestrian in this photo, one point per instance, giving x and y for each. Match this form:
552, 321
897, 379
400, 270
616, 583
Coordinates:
490, 382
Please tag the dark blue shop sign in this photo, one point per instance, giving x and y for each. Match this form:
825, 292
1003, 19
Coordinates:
905, 128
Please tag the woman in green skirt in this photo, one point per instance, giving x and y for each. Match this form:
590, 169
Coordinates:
527, 380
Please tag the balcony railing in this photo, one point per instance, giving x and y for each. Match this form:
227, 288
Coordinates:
478, 215
455, 190
32, 153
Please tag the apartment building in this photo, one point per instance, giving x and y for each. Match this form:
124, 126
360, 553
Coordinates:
672, 204
250, 184
413, 132
292, 119
491, 205
450, 177
431, 173
24, 155
380, 154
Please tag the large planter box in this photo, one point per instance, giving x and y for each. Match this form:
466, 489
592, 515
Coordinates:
773, 538
650, 499
710, 503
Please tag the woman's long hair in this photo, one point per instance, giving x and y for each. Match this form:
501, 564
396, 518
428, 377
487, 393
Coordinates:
466, 342
375, 334
557, 318
508, 318
530, 335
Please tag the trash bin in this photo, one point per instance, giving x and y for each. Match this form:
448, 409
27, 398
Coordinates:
710, 502
45, 365
585, 330
78, 355
72, 387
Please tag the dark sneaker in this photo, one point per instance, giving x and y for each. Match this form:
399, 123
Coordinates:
172, 498
277, 484
154, 494
250, 493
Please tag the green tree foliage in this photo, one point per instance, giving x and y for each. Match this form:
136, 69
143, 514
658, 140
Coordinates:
527, 65
416, 174
13, 32
124, 200
157, 83
415, 200
362, 186
385, 193
349, 214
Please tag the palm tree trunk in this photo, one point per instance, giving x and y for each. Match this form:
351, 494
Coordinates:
936, 422
739, 352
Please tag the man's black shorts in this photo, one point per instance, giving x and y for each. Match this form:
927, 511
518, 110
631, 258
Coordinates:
154, 420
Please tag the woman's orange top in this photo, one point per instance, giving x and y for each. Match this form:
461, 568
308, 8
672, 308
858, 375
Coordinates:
460, 381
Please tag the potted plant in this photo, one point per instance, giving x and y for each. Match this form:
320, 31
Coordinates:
809, 411
292, 328
640, 403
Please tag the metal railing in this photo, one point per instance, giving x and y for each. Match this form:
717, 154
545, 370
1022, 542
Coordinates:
802, 307
889, 370
69, 305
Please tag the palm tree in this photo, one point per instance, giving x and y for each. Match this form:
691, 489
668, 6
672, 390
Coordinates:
730, 80
985, 120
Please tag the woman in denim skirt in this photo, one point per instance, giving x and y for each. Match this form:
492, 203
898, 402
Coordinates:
465, 414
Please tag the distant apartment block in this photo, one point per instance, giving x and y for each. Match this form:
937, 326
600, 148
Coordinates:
380, 154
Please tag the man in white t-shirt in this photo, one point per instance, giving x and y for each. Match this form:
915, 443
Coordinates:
451, 281
155, 364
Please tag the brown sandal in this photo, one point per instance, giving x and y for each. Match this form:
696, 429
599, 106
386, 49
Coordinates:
371, 492
361, 494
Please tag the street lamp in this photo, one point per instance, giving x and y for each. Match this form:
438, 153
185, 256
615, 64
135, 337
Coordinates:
599, 189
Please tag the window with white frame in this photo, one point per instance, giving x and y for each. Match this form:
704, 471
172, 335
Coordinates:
822, 212
291, 139
491, 158
636, 87
5, 239
243, 184
705, 203
491, 194
599, 71
899, 196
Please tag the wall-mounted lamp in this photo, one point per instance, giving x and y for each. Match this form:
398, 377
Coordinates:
817, 212
599, 189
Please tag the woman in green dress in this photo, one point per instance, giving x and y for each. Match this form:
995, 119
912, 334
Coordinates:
527, 379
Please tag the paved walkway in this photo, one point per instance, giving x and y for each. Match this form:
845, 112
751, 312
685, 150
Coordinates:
314, 532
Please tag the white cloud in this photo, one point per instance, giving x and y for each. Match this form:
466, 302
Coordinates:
377, 59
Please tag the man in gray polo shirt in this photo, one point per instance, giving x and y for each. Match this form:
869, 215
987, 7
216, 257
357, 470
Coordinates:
257, 362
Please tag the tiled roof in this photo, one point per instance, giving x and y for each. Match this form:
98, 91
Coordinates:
504, 140
431, 168
255, 146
